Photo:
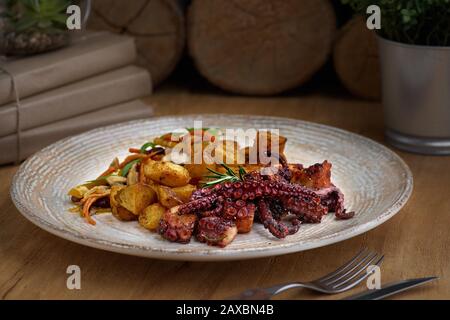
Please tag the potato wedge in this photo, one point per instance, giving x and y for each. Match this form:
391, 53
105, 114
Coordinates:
184, 193
226, 151
167, 197
149, 218
198, 171
123, 214
137, 197
116, 210
166, 173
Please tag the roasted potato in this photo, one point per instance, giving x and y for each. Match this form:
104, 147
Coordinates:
117, 211
245, 224
198, 171
167, 197
123, 214
149, 218
184, 193
136, 198
317, 176
166, 173
265, 140
227, 151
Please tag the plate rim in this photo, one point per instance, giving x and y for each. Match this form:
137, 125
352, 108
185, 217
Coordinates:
226, 254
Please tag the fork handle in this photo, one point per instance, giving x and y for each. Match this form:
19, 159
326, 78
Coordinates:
284, 287
265, 293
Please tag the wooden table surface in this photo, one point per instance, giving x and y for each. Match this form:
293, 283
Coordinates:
416, 242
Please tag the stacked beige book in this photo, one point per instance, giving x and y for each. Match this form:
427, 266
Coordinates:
89, 84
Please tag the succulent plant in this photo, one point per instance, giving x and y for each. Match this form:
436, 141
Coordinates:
33, 26
44, 15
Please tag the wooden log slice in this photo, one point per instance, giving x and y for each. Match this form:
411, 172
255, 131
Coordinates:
356, 59
157, 25
260, 47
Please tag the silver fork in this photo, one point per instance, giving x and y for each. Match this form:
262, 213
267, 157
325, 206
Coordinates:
344, 278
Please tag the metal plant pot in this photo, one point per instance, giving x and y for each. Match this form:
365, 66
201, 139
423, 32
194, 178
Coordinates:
416, 96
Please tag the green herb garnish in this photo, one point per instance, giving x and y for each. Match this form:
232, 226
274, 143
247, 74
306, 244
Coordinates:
228, 176
145, 146
127, 167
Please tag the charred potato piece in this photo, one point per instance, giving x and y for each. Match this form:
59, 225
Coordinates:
123, 214
265, 139
198, 171
136, 198
168, 198
184, 193
252, 167
216, 231
118, 211
150, 217
245, 218
317, 176
166, 173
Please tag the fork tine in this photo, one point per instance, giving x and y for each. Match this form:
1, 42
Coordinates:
362, 267
355, 282
345, 266
355, 268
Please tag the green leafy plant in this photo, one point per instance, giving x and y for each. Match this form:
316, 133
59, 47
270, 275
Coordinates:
420, 22
42, 15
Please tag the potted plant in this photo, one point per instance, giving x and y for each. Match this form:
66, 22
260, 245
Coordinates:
414, 42
34, 26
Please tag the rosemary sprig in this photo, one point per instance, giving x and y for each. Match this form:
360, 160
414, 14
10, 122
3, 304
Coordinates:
228, 176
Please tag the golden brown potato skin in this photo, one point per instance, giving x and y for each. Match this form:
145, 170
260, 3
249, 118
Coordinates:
167, 197
184, 193
166, 173
198, 171
136, 198
150, 217
118, 211
123, 214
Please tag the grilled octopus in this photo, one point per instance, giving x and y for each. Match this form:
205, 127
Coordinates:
280, 201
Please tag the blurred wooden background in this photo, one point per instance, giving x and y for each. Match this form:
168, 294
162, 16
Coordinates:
249, 47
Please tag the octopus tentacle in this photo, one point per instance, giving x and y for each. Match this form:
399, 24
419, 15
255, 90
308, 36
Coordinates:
276, 227
229, 208
333, 199
307, 210
198, 205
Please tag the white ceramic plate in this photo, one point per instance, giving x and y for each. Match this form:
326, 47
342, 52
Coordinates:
375, 181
